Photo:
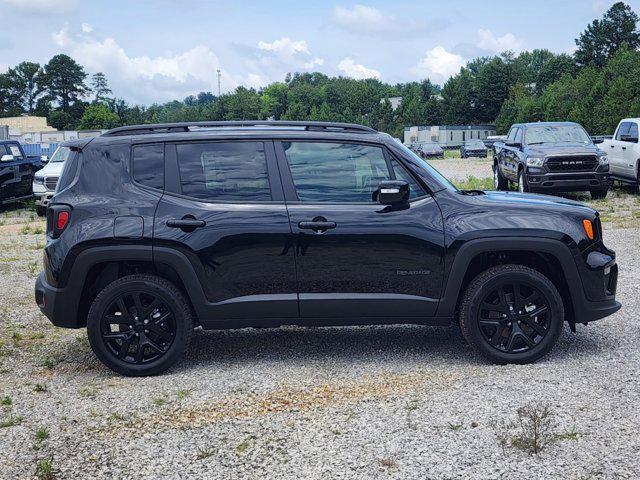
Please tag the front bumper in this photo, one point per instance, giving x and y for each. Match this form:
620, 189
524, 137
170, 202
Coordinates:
541, 180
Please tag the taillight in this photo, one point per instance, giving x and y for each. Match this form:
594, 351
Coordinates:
58, 217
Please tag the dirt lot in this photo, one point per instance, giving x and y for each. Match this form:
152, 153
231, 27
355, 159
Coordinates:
372, 402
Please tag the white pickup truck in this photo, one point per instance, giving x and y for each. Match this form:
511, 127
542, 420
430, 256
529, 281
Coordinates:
623, 151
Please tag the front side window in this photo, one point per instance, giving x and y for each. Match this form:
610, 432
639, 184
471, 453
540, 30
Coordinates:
224, 171
518, 137
336, 172
60, 155
623, 130
415, 190
633, 130
148, 165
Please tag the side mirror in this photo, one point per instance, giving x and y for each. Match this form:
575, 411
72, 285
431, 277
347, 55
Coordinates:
628, 138
514, 144
598, 140
392, 192
7, 158
44, 158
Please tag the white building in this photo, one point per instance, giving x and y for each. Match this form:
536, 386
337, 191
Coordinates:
447, 135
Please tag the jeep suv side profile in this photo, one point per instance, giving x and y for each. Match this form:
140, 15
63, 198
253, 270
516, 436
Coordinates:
156, 229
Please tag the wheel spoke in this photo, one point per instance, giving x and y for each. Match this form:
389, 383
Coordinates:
539, 329
138, 304
123, 308
527, 339
124, 347
115, 335
160, 332
512, 339
139, 350
149, 310
153, 345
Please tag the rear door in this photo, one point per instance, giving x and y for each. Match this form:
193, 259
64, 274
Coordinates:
356, 258
223, 209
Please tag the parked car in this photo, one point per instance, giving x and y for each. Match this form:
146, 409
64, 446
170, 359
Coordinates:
473, 148
16, 172
156, 229
46, 179
551, 157
624, 152
430, 150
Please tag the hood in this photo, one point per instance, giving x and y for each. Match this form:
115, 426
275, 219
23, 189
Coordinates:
535, 201
51, 168
552, 149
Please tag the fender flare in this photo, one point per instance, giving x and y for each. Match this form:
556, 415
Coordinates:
472, 248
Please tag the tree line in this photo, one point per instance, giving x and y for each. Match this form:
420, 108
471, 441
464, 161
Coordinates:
596, 85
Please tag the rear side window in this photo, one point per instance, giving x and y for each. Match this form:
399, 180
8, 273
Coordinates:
224, 171
335, 172
69, 169
148, 165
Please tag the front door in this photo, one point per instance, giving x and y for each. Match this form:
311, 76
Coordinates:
223, 209
354, 257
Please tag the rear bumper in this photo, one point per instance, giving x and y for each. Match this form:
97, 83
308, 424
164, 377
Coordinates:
567, 181
55, 304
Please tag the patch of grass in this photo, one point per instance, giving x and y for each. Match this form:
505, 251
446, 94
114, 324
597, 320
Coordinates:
6, 401
40, 388
206, 452
10, 422
33, 267
452, 153
49, 363
26, 229
182, 394
42, 434
454, 427
568, 435
16, 337
474, 183
532, 431
38, 230
45, 469
160, 401
88, 391
412, 405
244, 445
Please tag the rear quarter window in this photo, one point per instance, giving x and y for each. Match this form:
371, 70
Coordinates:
148, 165
69, 170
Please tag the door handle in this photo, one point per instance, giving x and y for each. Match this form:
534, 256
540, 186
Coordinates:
612, 146
186, 223
317, 226
624, 148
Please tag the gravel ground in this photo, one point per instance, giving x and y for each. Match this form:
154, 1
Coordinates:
398, 402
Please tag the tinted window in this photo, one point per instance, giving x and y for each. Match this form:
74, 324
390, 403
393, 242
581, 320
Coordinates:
518, 137
633, 130
336, 172
148, 165
512, 134
623, 130
15, 151
224, 171
415, 190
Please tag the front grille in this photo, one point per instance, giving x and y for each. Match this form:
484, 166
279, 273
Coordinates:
51, 182
576, 163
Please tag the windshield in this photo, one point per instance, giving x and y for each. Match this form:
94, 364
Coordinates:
474, 144
419, 162
60, 155
555, 134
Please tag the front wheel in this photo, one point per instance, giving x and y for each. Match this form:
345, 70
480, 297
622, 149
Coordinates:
599, 194
522, 182
499, 182
139, 325
511, 314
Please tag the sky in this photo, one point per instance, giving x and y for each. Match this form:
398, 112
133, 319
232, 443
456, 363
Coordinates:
161, 50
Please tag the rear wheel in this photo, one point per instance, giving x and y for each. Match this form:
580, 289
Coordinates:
139, 325
598, 194
511, 314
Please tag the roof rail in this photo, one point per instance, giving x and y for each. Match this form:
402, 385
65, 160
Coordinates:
191, 126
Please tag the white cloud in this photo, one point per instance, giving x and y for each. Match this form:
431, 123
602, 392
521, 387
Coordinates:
356, 70
147, 79
87, 28
370, 20
438, 64
488, 41
285, 46
287, 53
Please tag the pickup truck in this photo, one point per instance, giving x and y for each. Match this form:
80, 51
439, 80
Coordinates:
623, 151
16, 172
550, 157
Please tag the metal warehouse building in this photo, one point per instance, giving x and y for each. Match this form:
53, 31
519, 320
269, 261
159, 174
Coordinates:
447, 135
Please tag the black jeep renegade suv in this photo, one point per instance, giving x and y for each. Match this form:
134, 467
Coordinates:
157, 229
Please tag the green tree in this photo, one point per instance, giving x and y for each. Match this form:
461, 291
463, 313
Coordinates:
100, 87
603, 38
26, 84
59, 119
63, 79
98, 116
274, 101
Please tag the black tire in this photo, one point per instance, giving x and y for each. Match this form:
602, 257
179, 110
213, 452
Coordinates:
475, 299
169, 338
599, 194
523, 187
499, 182
41, 211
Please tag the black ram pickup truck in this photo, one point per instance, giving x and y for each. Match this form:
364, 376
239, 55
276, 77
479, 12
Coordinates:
16, 172
551, 157
157, 229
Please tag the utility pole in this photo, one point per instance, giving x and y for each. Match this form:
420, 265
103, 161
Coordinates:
219, 73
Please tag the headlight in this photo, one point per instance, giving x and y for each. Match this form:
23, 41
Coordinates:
535, 162
38, 179
603, 159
